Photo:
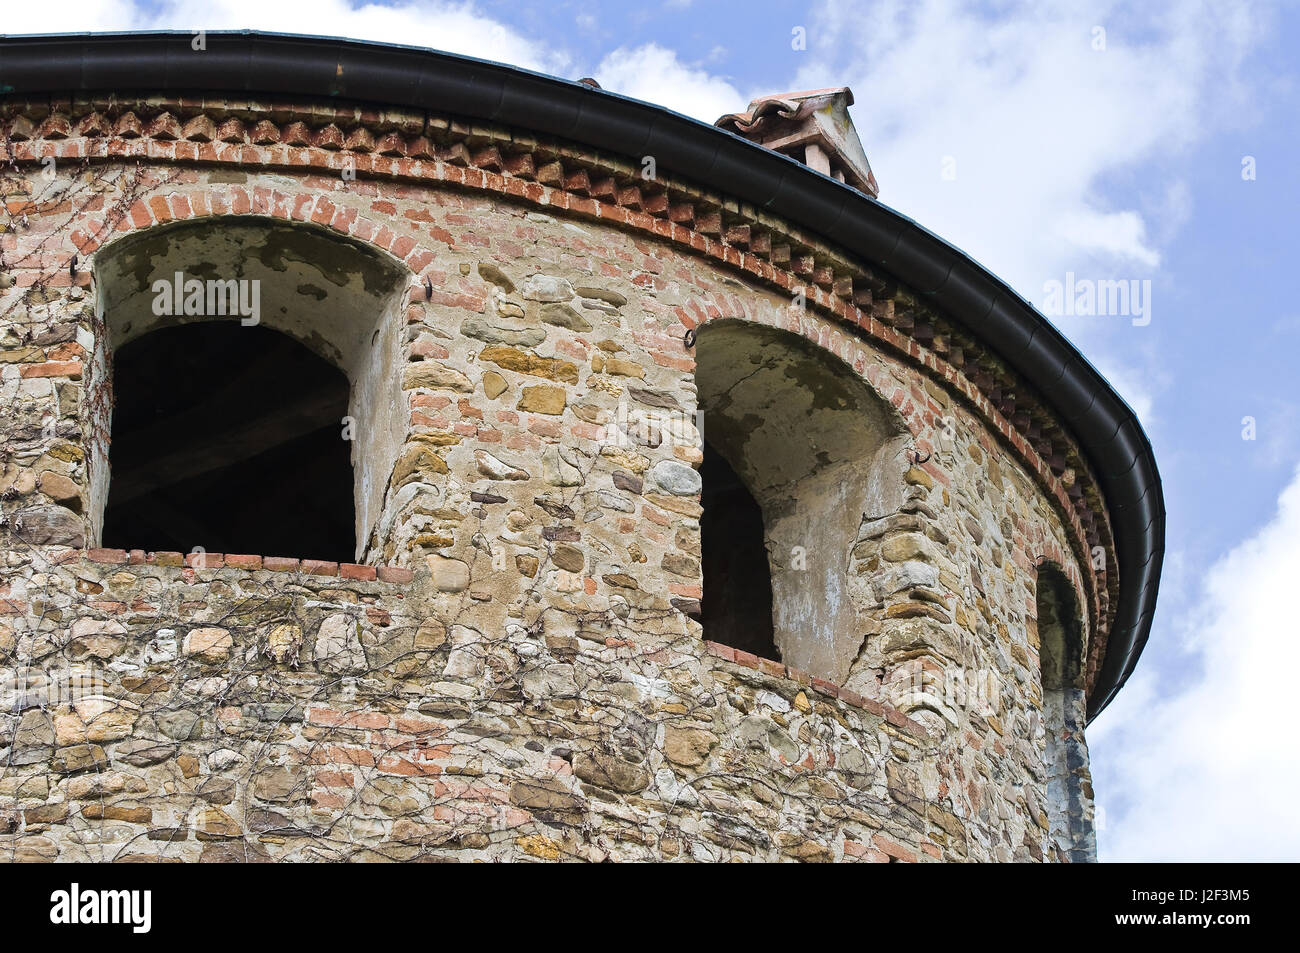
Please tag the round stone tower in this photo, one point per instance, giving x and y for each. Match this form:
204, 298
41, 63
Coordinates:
405, 456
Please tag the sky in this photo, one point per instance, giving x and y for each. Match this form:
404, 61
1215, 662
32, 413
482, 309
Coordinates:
1153, 143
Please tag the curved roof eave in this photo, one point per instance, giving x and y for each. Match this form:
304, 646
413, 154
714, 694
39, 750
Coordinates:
249, 62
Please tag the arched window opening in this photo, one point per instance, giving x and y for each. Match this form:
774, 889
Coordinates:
1064, 712
737, 605
254, 364
795, 444
229, 438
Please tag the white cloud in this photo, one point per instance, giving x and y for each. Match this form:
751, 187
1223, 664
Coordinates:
1032, 117
655, 74
1119, 235
81, 15
438, 24
1207, 769
1042, 131
649, 71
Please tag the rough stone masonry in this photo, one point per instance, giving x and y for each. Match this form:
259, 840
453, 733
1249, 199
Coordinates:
512, 668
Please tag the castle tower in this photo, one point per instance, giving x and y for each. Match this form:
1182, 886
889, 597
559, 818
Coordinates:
409, 456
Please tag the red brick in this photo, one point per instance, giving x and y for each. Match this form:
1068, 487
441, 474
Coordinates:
825, 687
391, 764
334, 779
324, 716
893, 848
324, 799
415, 725
320, 567
897, 718
71, 369
161, 210
725, 652
402, 246
324, 211
853, 848
851, 698
243, 562
355, 571
394, 574
280, 563
873, 706
337, 754
106, 555
140, 215
799, 676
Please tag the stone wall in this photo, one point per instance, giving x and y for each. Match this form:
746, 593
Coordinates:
526, 678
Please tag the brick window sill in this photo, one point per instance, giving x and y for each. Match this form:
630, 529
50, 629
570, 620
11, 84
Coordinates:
309, 567
819, 685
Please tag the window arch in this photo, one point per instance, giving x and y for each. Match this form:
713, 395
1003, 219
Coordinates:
228, 284
798, 451
1071, 833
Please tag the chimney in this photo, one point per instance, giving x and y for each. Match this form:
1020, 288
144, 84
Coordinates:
813, 127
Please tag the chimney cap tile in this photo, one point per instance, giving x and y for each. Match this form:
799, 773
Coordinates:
790, 122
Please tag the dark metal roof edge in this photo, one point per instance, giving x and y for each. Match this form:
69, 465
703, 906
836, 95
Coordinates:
427, 79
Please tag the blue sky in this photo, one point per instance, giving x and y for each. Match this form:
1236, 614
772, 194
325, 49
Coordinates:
1113, 155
